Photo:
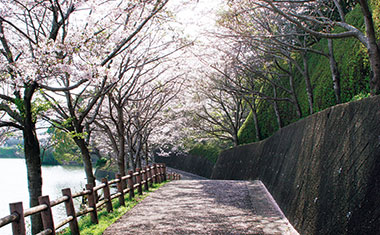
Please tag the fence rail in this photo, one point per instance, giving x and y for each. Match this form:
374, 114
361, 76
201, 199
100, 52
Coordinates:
125, 184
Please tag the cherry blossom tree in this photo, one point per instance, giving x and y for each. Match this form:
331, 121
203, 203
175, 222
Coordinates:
147, 84
255, 63
115, 34
263, 30
319, 19
31, 35
221, 111
43, 50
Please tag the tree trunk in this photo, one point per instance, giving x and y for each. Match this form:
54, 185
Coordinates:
132, 161
276, 109
256, 121
127, 161
373, 48
138, 156
138, 159
33, 166
253, 107
374, 59
334, 71
277, 113
146, 153
309, 89
293, 94
32, 158
121, 137
86, 160
235, 138
236, 124
120, 159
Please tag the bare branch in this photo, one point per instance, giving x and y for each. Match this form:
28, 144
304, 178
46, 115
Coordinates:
63, 88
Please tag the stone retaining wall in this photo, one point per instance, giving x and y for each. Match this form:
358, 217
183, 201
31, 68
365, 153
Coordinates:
193, 164
323, 171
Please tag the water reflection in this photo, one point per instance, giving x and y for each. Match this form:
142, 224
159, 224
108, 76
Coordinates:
15, 188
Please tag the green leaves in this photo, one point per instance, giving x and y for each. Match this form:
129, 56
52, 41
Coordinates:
74, 134
360, 96
38, 106
65, 150
20, 106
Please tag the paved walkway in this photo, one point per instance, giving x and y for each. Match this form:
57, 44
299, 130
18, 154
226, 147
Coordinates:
205, 207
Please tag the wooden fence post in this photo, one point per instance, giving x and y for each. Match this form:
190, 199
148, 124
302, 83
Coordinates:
138, 181
155, 178
107, 195
130, 185
47, 216
158, 172
161, 177
70, 211
18, 226
146, 179
161, 171
164, 171
120, 189
92, 203
150, 175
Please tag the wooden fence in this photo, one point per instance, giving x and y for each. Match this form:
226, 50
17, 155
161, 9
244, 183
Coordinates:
125, 184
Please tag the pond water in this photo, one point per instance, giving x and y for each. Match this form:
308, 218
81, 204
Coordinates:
14, 186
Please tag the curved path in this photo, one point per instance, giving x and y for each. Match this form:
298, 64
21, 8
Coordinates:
185, 175
205, 207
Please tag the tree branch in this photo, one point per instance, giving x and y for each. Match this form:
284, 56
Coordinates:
63, 88
10, 124
134, 33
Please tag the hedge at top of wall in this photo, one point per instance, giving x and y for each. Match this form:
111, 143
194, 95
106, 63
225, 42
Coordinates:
323, 171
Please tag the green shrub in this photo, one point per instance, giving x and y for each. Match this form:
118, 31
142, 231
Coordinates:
360, 96
10, 152
101, 162
48, 158
247, 132
209, 150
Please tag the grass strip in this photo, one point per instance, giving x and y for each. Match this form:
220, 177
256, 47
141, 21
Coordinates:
106, 219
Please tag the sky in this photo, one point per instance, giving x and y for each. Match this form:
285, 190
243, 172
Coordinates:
196, 17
